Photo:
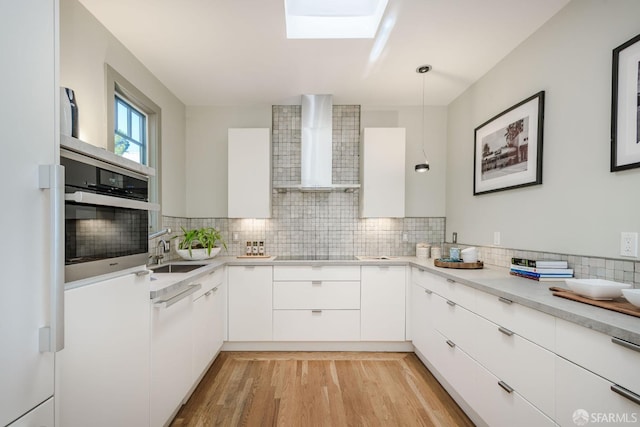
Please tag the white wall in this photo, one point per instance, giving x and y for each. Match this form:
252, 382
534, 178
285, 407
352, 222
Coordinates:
206, 171
581, 207
85, 46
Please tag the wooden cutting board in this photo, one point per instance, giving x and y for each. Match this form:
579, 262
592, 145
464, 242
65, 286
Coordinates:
620, 305
453, 264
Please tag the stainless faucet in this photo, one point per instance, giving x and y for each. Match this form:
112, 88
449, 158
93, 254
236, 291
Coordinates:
159, 233
162, 247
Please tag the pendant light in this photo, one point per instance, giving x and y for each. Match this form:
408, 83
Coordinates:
423, 167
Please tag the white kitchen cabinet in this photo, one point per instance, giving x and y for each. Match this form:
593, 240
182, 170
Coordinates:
382, 170
524, 365
614, 359
171, 354
316, 325
103, 372
585, 396
208, 322
316, 303
421, 319
249, 173
250, 303
383, 299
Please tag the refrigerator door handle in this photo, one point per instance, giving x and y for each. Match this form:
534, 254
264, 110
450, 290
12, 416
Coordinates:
52, 337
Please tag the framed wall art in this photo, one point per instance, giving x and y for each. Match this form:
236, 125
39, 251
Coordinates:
508, 148
625, 106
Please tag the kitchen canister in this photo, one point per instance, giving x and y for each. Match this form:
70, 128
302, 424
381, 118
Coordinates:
436, 252
469, 254
454, 254
423, 250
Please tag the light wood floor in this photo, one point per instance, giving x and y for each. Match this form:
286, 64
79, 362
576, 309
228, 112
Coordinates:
319, 389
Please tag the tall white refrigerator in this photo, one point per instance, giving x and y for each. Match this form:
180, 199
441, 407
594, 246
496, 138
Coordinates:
31, 269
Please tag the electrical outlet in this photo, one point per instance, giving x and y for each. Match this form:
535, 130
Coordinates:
405, 236
496, 237
236, 236
629, 243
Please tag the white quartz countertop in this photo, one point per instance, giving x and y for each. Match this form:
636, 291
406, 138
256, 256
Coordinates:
491, 279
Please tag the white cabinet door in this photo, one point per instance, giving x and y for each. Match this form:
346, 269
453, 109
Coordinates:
28, 34
171, 358
103, 372
208, 324
382, 173
382, 307
249, 173
250, 303
583, 397
421, 320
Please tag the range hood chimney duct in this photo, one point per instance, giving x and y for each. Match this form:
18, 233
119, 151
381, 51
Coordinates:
317, 144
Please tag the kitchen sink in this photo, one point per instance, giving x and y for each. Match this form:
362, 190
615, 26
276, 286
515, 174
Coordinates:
176, 268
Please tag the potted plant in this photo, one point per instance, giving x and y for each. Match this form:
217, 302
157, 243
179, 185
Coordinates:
200, 243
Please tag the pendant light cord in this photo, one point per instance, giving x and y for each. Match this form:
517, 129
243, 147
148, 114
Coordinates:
423, 152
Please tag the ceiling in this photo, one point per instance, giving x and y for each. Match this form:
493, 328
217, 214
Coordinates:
235, 53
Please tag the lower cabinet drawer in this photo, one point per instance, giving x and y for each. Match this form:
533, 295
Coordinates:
316, 325
583, 397
316, 295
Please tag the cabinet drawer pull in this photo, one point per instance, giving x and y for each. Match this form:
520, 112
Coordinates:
451, 281
505, 331
505, 387
142, 272
504, 300
316, 311
316, 282
627, 394
451, 343
451, 303
626, 344
249, 267
428, 291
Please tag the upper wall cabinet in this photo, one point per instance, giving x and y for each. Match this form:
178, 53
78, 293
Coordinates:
382, 173
249, 173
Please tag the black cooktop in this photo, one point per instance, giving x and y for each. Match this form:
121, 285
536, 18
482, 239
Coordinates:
316, 258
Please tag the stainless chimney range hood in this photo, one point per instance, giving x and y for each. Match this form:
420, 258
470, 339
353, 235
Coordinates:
317, 147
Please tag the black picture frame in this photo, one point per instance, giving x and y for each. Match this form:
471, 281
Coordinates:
508, 148
625, 106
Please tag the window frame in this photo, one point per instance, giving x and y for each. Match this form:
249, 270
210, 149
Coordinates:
116, 84
131, 108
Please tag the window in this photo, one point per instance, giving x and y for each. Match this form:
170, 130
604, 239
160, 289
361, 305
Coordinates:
133, 131
130, 138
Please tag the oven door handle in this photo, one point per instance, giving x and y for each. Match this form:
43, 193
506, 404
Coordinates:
118, 202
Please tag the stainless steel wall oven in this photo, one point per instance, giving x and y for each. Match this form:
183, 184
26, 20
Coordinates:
106, 216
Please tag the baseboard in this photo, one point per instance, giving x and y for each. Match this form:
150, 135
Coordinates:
402, 346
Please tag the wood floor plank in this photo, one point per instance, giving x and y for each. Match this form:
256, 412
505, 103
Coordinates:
319, 389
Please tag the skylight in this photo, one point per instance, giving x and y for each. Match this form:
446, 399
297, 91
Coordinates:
333, 19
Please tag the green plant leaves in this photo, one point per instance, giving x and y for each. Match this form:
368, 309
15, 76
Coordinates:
196, 238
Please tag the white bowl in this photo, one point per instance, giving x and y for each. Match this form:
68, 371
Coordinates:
633, 296
197, 254
598, 289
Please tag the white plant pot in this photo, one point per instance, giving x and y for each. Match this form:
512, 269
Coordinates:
197, 254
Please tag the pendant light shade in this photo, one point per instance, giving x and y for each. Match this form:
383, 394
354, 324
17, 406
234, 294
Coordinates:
423, 167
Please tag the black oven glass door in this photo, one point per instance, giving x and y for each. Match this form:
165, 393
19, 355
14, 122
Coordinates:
95, 233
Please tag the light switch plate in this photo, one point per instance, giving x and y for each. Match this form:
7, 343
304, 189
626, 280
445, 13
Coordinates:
629, 243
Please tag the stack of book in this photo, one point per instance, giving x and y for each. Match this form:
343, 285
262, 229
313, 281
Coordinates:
541, 270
